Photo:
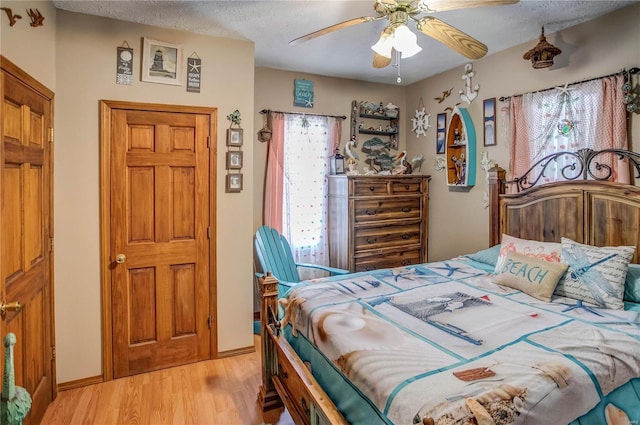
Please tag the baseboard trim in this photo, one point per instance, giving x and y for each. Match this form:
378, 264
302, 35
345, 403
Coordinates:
70, 385
236, 352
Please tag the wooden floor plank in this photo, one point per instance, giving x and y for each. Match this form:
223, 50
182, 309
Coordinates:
214, 392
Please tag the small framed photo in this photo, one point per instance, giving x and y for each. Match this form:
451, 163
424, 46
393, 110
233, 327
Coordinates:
234, 182
234, 137
441, 133
161, 62
234, 160
489, 108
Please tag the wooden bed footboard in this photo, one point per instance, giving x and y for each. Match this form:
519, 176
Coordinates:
285, 378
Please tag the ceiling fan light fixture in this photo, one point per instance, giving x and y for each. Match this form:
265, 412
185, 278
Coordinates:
384, 45
405, 41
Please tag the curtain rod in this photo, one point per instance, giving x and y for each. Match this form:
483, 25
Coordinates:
631, 71
267, 111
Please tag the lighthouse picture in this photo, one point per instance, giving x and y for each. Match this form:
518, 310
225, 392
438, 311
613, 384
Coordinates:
161, 62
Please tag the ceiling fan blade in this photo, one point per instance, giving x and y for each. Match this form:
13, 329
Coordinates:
380, 61
452, 37
332, 28
442, 5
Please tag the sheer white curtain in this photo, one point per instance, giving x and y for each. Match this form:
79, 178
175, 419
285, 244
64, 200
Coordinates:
309, 141
585, 115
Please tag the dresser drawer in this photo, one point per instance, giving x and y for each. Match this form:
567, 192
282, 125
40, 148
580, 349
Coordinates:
370, 210
406, 186
386, 236
370, 187
384, 260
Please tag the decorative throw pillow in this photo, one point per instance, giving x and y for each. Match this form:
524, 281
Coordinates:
532, 276
595, 274
548, 251
632, 284
486, 256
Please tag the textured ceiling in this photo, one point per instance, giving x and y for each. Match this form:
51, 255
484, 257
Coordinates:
346, 53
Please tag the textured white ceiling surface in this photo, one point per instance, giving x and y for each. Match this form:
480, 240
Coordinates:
346, 53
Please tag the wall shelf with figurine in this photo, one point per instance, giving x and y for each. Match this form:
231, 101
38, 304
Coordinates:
375, 119
460, 149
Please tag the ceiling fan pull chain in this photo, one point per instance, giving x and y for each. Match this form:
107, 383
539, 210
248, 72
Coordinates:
397, 65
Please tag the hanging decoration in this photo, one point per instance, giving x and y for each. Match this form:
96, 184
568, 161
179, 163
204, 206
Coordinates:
420, 121
486, 164
235, 118
468, 95
565, 125
440, 163
303, 93
542, 55
194, 73
36, 17
12, 18
631, 95
445, 94
124, 66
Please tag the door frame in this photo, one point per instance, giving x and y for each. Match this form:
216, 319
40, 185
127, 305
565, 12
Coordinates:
106, 256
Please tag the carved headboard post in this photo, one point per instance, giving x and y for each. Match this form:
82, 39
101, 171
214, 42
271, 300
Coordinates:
497, 177
268, 397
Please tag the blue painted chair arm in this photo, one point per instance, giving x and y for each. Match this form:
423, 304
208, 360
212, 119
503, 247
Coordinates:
332, 270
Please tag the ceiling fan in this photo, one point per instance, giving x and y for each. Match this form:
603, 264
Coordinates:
397, 36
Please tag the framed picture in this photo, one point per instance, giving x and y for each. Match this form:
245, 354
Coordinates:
489, 108
234, 137
441, 133
234, 182
161, 62
234, 160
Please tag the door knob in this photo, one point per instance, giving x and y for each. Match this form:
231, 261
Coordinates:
120, 258
14, 306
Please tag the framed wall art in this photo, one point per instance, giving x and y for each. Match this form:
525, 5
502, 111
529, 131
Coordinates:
234, 182
234, 137
489, 108
441, 133
234, 160
161, 62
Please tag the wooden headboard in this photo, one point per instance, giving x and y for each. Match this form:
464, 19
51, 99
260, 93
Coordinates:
587, 209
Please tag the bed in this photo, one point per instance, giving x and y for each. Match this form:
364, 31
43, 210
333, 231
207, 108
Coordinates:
512, 334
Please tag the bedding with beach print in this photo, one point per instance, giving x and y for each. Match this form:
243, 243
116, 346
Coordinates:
442, 344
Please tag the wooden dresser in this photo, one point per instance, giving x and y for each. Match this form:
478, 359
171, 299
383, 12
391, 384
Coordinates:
378, 221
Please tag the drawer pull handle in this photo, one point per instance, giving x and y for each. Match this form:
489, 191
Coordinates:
372, 188
369, 212
406, 186
406, 263
406, 209
406, 236
372, 240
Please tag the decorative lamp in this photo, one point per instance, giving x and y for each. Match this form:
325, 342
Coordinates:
385, 44
336, 163
542, 55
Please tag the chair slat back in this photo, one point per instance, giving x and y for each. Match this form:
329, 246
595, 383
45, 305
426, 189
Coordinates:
274, 254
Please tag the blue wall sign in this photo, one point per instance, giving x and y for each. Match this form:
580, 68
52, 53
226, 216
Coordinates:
303, 93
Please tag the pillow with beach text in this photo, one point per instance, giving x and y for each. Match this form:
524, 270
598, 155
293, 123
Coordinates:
548, 251
596, 274
532, 276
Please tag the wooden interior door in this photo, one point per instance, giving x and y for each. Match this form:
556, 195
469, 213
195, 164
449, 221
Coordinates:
26, 228
159, 239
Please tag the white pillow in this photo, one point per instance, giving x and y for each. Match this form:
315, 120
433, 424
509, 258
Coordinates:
596, 274
548, 251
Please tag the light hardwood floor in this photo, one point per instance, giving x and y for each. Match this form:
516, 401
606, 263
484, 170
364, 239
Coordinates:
214, 392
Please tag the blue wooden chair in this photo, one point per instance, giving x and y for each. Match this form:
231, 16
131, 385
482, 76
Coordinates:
274, 255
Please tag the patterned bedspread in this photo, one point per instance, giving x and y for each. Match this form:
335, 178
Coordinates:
442, 344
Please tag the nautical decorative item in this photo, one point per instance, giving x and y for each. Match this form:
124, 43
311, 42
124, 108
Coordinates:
460, 149
420, 121
416, 163
445, 94
12, 18
235, 118
542, 55
15, 401
336, 163
440, 163
350, 152
36, 17
378, 154
469, 95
